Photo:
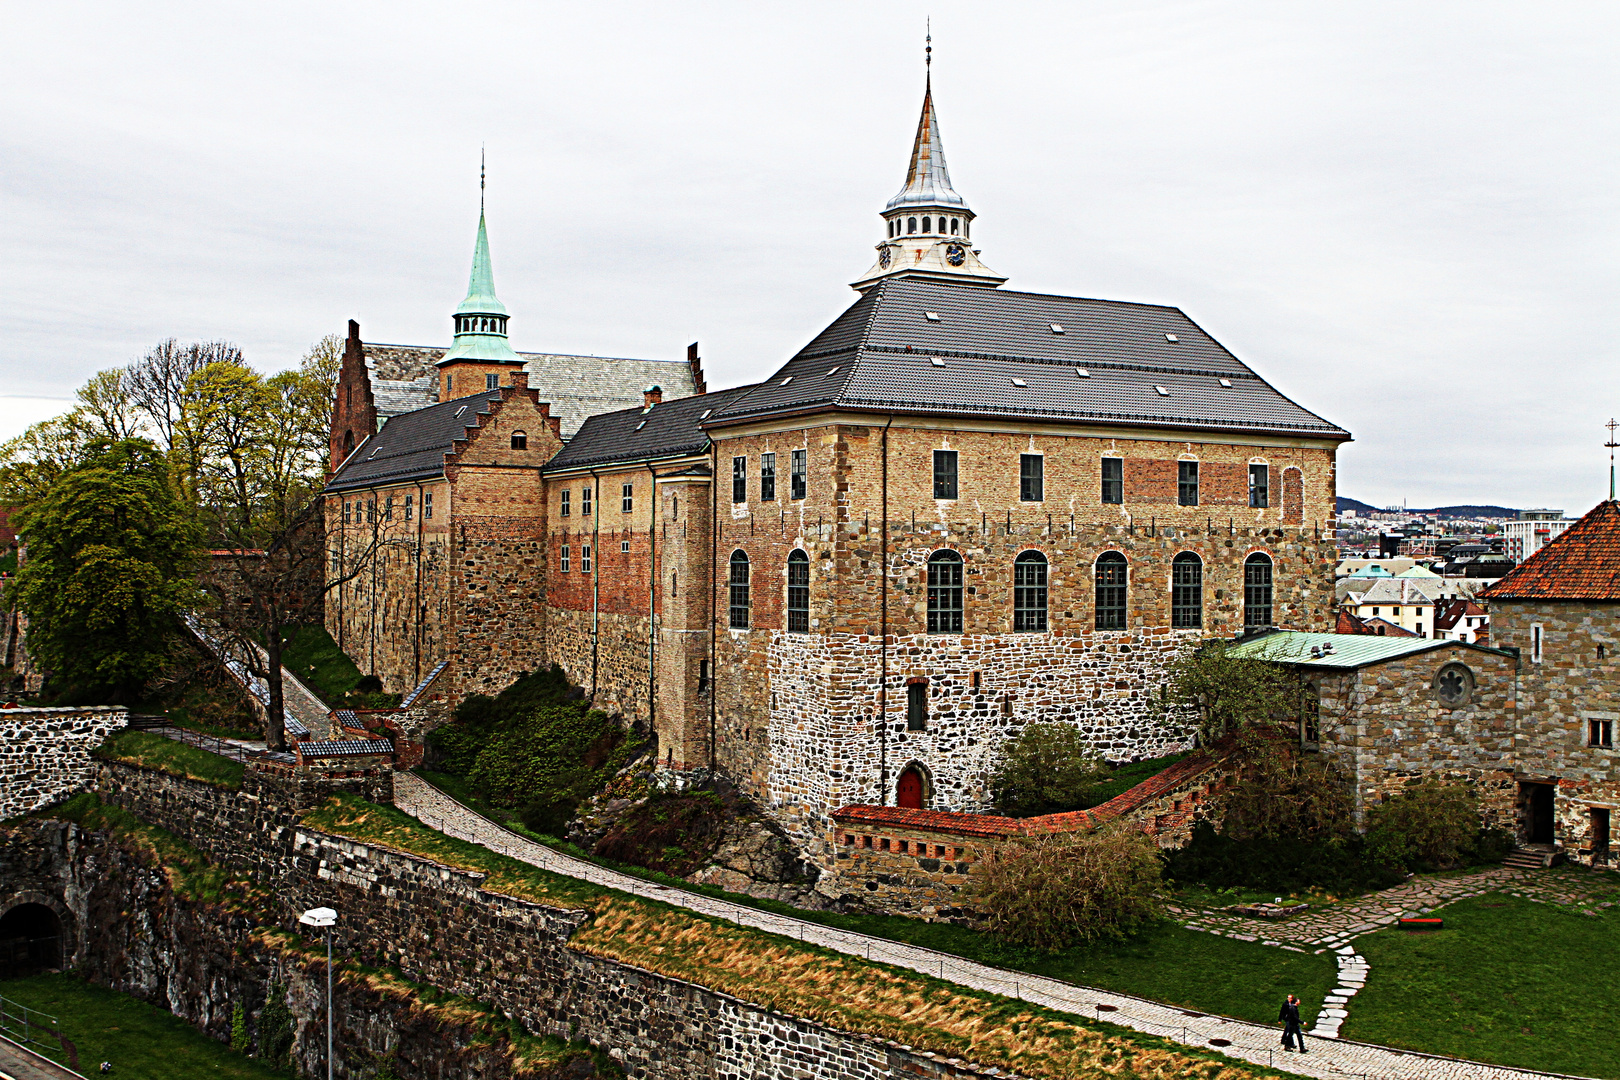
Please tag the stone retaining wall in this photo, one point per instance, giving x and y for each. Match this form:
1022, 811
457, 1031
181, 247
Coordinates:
45, 753
441, 927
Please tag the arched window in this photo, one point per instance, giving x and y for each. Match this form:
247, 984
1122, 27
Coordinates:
1187, 591
953, 226
739, 590
1029, 592
965, 227
891, 228
1111, 576
927, 225
911, 225
798, 596
520, 440
348, 443
1257, 591
945, 592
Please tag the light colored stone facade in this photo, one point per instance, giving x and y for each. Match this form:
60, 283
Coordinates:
45, 753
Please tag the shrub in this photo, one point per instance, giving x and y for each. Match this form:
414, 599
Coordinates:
1281, 793
1223, 694
1047, 769
1430, 826
1055, 891
1283, 865
673, 833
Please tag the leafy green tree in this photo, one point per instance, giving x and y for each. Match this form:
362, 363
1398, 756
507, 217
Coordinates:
1430, 825
1282, 793
1224, 694
1051, 892
31, 462
111, 554
1047, 769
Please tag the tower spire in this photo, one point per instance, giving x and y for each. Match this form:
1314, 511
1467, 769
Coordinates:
480, 321
929, 225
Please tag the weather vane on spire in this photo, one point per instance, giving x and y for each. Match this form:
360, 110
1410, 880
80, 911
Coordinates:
1611, 444
928, 43
480, 181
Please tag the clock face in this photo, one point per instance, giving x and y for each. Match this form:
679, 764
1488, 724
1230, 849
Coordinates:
883, 258
955, 254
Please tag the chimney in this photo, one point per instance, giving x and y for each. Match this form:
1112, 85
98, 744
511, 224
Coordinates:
651, 396
520, 379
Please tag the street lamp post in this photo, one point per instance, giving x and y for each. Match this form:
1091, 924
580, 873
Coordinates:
325, 918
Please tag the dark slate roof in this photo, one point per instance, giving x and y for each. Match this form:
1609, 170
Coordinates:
668, 429
1580, 563
332, 748
411, 446
987, 338
405, 378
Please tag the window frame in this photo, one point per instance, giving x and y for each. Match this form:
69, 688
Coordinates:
767, 477
585, 554
520, 440
627, 498
739, 605
1187, 591
410, 508
739, 479
798, 480
1600, 733
564, 562
1113, 485
1251, 590
917, 705
798, 591
1032, 478
1030, 614
1111, 597
947, 475
566, 503
427, 506
1186, 483
946, 598
1259, 493
492, 381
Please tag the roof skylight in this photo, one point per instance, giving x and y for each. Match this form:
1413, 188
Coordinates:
931, 316
937, 361
1162, 391
641, 425
1019, 382
1226, 382
1082, 372
1056, 329
787, 380
706, 413
831, 371
1171, 337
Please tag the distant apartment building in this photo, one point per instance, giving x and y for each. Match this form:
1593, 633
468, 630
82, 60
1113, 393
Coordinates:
1532, 531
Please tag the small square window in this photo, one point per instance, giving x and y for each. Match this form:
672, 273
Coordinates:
624, 545
1600, 733
491, 381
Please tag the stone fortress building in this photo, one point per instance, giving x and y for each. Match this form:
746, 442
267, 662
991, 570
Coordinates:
957, 510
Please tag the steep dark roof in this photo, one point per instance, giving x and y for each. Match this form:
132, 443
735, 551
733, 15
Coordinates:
1580, 563
411, 446
668, 429
879, 356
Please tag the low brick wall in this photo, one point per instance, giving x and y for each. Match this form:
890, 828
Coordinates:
45, 753
917, 862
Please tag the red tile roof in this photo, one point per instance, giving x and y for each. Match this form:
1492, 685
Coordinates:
1581, 563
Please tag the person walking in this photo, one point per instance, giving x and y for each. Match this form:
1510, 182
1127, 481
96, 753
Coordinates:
1289, 1018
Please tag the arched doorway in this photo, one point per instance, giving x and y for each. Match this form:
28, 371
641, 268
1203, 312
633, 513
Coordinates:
908, 790
30, 941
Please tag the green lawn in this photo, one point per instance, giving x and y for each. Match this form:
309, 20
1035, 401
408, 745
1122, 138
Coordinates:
1507, 981
142, 1041
178, 758
1168, 963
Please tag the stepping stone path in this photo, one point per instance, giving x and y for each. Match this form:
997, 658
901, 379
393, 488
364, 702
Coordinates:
1259, 1044
1353, 970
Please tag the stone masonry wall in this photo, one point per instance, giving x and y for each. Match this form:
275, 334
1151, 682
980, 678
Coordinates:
45, 753
439, 926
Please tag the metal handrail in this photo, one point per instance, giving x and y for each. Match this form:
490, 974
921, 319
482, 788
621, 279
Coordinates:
17, 1023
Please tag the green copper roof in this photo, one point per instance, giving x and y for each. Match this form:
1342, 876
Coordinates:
1348, 650
489, 341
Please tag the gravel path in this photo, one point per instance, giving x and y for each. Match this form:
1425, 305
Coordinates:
1328, 1058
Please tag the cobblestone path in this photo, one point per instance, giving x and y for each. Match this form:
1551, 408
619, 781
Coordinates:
1328, 1059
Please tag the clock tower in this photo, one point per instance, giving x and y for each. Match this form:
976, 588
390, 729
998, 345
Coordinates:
929, 226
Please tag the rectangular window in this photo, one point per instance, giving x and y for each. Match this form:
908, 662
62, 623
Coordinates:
491, 381
1031, 478
703, 676
1113, 481
427, 504
627, 498
337, 563
1259, 486
799, 468
798, 593
410, 508
767, 478
371, 511
388, 509
739, 479
584, 558
565, 561
944, 474
1600, 733
585, 502
567, 497
1535, 643
917, 707
624, 545
1187, 483
345, 511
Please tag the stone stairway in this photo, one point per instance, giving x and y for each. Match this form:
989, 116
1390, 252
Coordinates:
1528, 858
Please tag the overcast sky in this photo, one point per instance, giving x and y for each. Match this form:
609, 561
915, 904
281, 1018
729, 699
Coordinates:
1404, 215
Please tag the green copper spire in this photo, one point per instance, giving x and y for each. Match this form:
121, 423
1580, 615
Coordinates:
480, 321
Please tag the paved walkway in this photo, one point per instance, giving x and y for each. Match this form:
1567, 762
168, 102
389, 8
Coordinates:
20, 1063
298, 702
1328, 1059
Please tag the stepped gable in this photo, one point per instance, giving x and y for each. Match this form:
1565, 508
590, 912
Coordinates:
1581, 563
405, 378
924, 347
412, 446
667, 429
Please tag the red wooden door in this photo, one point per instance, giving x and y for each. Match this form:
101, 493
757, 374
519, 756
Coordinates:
908, 792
